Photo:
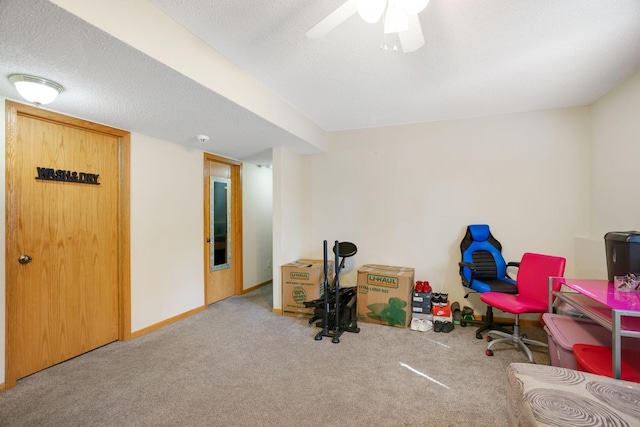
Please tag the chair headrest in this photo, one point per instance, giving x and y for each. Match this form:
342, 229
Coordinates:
479, 232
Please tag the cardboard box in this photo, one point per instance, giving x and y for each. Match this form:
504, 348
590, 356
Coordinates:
423, 297
423, 316
384, 295
421, 308
442, 311
302, 281
421, 302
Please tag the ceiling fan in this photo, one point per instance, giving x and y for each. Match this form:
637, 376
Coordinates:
400, 16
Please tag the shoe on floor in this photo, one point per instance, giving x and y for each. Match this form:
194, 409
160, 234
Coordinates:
437, 326
415, 324
467, 313
447, 327
456, 314
425, 325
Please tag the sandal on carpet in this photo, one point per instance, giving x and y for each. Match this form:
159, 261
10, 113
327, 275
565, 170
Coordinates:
467, 313
447, 327
456, 313
437, 326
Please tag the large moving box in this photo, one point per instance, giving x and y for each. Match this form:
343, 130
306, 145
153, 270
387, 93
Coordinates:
384, 294
302, 281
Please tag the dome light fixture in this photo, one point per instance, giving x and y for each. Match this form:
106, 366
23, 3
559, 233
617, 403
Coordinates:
37, 90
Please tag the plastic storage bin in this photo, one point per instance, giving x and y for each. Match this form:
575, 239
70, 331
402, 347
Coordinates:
597, 360
623, 253
563, 332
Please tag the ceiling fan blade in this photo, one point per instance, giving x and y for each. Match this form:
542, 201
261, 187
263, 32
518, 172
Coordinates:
335, 18
412, 39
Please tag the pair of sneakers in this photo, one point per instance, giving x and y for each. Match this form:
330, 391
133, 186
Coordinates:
439, 299
421, 325
423, 286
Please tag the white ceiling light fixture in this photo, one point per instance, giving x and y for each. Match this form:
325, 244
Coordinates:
395, 20
37, 90
400, 17
371, 10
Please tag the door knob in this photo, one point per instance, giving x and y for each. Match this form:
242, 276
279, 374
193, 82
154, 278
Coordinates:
24, 259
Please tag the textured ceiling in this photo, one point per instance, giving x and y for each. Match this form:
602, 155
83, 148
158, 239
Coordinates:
480, 58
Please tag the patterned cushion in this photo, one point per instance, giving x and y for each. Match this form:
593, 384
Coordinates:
539, 395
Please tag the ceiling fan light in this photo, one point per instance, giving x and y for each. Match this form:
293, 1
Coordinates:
395, 20
371, 10
413, 7
34, 89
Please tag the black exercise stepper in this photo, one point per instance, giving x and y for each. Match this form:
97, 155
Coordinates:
337, 308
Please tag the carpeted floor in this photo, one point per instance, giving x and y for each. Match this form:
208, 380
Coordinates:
238, 364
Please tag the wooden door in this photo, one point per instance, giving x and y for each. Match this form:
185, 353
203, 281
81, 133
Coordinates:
63, 239
222, 228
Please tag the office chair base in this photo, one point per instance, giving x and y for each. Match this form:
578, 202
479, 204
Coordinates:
487, 327
516, 339
487, 323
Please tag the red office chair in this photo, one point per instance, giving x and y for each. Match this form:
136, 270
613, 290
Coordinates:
532, 297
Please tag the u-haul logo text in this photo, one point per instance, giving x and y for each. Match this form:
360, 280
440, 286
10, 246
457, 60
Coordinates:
385, 281
298, 275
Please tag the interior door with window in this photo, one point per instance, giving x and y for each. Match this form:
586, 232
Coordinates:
222, 228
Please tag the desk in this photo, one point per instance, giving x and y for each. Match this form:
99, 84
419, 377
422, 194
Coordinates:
600, 301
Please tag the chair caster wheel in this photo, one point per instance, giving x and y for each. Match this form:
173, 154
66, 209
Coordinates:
523, 336
488, 339
489, 352
478, 335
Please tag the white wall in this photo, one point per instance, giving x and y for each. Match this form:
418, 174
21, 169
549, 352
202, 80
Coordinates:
167, 246
405, 194
615, 187
257, 224
290, 214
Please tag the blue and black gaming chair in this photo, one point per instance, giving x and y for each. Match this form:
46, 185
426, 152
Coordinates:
483, 269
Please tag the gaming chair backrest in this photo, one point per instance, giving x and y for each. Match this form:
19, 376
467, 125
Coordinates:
480, 248
533, 275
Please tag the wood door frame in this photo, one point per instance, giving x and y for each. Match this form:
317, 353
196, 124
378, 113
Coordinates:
13, 109
236, 217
